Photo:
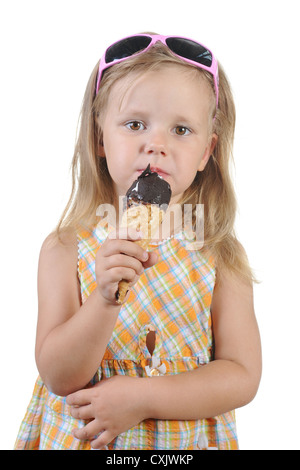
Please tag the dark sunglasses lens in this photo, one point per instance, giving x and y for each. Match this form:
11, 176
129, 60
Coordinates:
126, 48
190, 50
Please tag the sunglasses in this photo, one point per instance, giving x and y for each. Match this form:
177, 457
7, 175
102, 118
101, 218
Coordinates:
188, 50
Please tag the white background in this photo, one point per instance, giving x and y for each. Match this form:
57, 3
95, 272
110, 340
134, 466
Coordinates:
48, 49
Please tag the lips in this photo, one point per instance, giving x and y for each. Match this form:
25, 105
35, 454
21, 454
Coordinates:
157, 170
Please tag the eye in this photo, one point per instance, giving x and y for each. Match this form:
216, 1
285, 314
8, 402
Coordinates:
182, 130
135, 125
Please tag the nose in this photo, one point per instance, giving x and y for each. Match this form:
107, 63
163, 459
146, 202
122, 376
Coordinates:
155, 150
156, 146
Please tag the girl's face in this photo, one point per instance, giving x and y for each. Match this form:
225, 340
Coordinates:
162, 118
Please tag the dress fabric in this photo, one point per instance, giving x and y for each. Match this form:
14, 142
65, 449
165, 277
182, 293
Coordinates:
173, 299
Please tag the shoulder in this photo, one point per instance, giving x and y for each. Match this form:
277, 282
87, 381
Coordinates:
58, 257
230, 290
62, 245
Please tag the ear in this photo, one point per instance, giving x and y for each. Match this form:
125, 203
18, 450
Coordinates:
100, 152
208, 151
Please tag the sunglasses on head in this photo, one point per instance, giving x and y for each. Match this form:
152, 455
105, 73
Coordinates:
188, 50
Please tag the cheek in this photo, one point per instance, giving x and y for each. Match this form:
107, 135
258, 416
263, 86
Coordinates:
114, 152
116, 168
119, 166
182, 180
187, 179
116, 146
187, 167
189, 160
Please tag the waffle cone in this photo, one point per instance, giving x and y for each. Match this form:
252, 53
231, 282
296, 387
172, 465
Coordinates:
145, 218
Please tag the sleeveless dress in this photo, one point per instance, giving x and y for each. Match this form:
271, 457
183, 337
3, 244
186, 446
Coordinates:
172, 299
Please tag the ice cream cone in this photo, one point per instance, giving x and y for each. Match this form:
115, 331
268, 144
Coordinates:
147, 200
145, 218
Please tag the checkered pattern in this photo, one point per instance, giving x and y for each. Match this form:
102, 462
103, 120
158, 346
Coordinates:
173, 299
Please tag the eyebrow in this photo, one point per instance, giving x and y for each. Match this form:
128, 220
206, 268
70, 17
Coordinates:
133, 111
182, 118
189, 122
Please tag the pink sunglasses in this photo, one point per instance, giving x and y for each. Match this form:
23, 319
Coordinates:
187, 49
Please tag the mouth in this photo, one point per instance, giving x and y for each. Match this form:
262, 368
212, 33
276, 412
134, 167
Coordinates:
157, 170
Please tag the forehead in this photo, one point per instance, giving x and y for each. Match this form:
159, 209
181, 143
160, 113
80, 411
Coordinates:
166, 85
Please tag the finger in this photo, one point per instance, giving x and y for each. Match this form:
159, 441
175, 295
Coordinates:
102, 440
126, 233
123, 261
88, 432
115, 275
82, 412
80, 398
152, 260
125, 247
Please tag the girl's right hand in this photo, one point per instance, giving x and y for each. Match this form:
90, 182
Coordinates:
120, 258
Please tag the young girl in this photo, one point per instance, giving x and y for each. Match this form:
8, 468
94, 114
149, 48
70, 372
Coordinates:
166, 369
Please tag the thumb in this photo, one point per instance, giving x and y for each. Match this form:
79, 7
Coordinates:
152, 259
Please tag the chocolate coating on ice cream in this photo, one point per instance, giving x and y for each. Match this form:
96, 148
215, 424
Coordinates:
149, 188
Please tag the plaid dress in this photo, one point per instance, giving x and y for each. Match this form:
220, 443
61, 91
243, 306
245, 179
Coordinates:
172, 299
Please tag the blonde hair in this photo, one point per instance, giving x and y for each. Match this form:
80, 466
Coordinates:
92, 184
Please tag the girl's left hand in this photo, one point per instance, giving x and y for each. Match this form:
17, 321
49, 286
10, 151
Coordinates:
113, 405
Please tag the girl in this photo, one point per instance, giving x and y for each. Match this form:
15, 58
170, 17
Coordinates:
166, 369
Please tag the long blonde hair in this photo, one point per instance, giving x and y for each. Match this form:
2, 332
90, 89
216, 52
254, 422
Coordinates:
92, 184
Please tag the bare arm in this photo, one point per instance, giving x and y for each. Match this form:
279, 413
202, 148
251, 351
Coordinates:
232, 379
72, 338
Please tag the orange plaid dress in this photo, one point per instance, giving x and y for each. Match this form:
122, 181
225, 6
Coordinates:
173, 299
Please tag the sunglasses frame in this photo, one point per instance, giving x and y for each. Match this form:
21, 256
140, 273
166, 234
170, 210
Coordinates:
213, 69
